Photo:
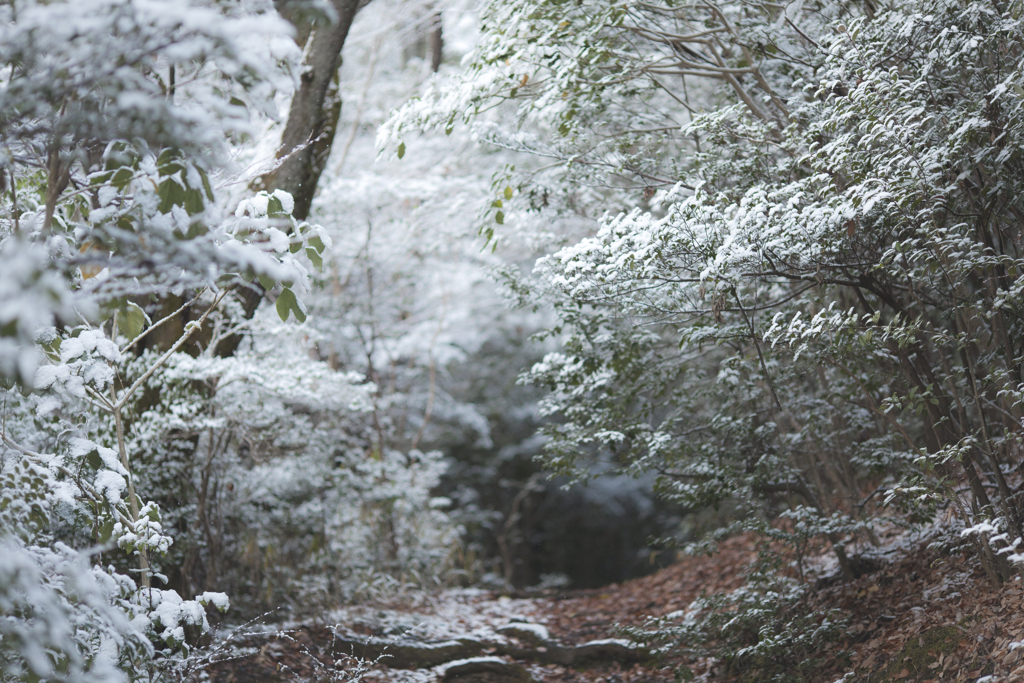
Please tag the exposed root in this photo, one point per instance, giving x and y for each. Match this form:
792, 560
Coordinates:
414, 655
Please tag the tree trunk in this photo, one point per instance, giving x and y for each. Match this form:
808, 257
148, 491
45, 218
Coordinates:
314, 113
436, 43
309, 133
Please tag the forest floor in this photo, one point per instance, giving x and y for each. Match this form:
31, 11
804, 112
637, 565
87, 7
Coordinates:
918, 614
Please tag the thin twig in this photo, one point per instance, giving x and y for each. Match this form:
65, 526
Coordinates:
189, 329
160, 322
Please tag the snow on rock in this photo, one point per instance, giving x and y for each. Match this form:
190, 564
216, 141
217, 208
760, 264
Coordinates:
530, 631
459, 613
485, 668
609, 641
472, 660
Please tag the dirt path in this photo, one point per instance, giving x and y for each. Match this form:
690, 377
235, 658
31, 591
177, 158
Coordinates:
923, 614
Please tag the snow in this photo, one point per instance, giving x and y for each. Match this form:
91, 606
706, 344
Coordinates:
111, 460
111, 485
473, 660
46, 375
47, 405
452, 614
287, 202
220, 601
173, 614
610, 641
540, 632
71, 349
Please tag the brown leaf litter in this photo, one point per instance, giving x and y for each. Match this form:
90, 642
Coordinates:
927, 615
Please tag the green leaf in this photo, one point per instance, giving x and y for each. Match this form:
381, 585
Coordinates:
288, 303
94, 459
131, 320
299, 310
52, 351
197, 229
496, 203
274, 207
317, 243
165, 157
168, 163
315, 258
499, 218
285, 302
105, 531
227, 280
194, 201
171, 194
508, 193
267, 282
206, 184
121, 178
401, 150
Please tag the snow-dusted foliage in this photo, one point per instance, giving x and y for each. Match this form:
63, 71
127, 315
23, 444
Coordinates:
62, 619
107, 191
804, 285
276, 483
763, 626
160, 444
106, 163
834, 260
408, 299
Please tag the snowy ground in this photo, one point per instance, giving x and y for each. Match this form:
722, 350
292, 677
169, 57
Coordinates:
924, 612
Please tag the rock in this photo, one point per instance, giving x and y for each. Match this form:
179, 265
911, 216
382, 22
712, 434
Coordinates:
485, 670
534, 634
418, 655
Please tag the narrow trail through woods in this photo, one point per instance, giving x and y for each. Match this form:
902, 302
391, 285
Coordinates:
919, 615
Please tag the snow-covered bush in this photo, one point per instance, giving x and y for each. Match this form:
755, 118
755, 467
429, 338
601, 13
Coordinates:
817, 291
149, 458
107, 196
266, 466
61, 618
759, 632
802, 285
